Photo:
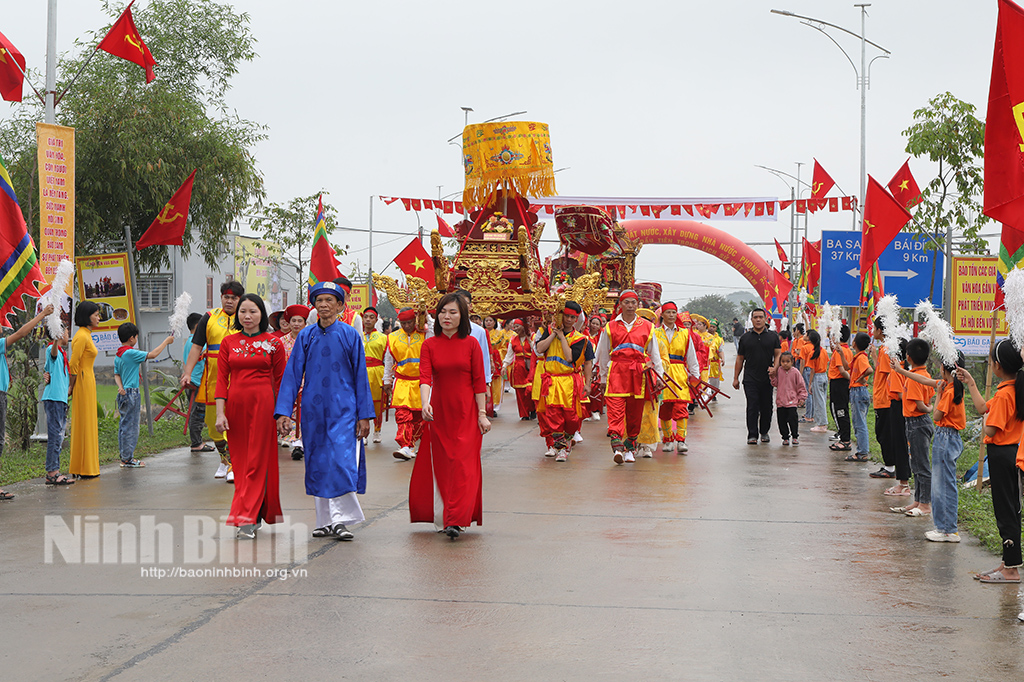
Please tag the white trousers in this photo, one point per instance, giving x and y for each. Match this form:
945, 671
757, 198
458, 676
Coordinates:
332, 510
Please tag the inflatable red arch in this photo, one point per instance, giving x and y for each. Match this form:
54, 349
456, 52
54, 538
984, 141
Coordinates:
719, 244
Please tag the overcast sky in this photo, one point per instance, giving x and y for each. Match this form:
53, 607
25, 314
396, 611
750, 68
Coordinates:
644, 98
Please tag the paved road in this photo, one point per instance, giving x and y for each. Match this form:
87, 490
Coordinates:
731, 563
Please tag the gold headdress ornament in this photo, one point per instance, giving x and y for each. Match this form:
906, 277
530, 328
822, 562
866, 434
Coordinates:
647, 314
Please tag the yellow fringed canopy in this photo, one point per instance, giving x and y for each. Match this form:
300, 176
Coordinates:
515, 154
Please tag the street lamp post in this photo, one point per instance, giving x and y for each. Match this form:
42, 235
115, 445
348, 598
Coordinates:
794, 193
863, 76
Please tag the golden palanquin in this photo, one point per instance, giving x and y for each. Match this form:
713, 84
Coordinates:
498, 263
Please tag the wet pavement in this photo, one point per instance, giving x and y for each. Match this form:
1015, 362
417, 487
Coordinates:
733, 562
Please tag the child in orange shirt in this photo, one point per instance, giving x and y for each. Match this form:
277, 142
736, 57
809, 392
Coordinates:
898, 428
917, 406
1004, 423
816, 358
858, 371
839, 389
947, 445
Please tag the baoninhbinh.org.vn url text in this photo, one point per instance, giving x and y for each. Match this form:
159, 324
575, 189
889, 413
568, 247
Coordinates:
178, 572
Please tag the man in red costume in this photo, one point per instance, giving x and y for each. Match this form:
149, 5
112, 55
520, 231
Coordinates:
699, 347
626, 350
520, 363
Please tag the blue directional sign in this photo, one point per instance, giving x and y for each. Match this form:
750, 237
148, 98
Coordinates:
907, 269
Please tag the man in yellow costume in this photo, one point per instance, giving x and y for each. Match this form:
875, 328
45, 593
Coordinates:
568, 360
375, 344
679, 358
715, 357
215, 326
402, 366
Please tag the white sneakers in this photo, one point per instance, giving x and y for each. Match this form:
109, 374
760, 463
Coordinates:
645, 451
939, 536
562, 456
595, 416
668, 447
628, 456
222, 471
577, 438
376, 436
681, 446
230, 478
551, 452
404, 453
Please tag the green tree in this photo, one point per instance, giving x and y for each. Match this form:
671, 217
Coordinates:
291, 225
948, 133
136, 143
713, 306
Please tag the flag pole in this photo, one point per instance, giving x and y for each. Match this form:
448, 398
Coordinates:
57, 100
988, 389
138, 323
41, 96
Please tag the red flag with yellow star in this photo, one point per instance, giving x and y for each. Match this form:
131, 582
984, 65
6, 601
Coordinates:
821, 182
904, 188
414, 261
884, 217
12, 71
123, 41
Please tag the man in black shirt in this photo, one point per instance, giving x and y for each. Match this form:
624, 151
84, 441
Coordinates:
757, 357
737, 332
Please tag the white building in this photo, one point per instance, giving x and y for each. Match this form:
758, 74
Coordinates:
254, 262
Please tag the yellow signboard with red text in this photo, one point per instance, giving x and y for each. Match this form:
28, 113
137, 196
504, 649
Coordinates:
56, 157
358, 298
973, 297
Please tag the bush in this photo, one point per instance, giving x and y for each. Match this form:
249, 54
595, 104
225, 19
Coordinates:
22, 396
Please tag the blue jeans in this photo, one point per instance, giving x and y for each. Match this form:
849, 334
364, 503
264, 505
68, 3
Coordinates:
129, 407
919, 438
946, 449
818, 385
56, 418
860, 401
809, 406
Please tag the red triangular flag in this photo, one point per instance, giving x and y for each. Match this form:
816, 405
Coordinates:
884, 217
812, 263
444, 228
781, 289
323, 263
123, 41
1004, 157
904, 188
168, 227
414, 261
12, 78
821, 182
782, 254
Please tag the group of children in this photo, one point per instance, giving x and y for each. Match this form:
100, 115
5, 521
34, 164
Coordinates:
918, 423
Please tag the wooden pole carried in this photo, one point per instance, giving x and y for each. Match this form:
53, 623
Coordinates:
988, 389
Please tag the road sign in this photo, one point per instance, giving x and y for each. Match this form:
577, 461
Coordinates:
907, 269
